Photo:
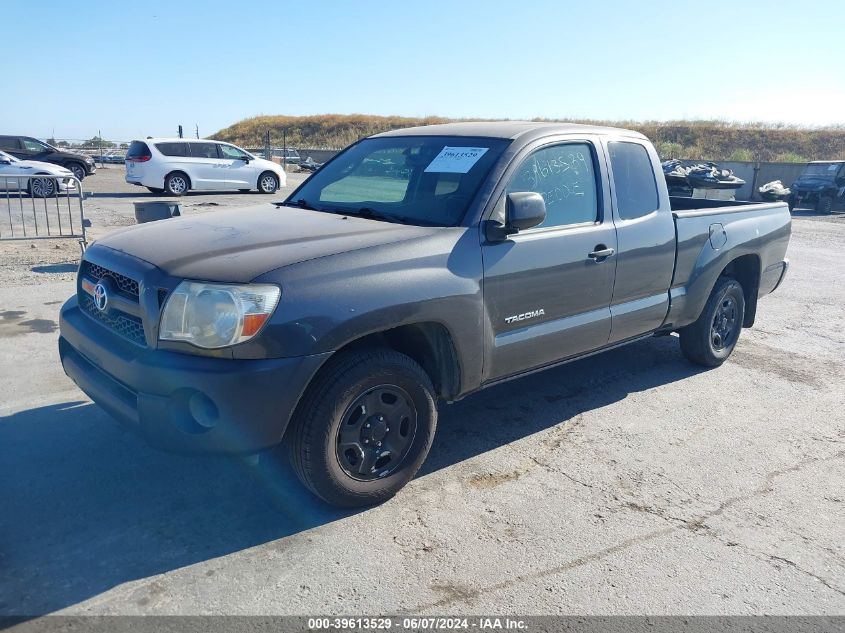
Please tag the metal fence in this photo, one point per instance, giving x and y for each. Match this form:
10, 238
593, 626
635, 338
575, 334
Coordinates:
41, 207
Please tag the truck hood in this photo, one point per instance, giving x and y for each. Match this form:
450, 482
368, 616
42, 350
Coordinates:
238, 245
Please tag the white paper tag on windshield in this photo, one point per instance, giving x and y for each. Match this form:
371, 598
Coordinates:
455, 160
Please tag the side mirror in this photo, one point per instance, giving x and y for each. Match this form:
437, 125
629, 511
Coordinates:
5, 161
524, 210
245, 159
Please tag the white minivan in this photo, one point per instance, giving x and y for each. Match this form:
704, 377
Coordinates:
175, 166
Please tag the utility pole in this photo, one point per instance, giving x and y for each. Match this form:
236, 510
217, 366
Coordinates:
285, 148
100, 146
180, 131
197, 128
267, 146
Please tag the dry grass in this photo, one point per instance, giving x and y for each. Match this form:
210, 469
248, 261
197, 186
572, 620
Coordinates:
699, 140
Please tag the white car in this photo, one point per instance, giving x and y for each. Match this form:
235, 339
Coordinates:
176, 166
38, 187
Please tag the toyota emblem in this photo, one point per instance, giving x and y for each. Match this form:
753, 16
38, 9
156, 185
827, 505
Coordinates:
101, 297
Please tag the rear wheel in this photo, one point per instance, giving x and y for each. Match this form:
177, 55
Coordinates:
712, 337
268, 182
364, 427
176, 184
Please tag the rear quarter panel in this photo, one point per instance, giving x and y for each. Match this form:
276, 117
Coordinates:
760, 230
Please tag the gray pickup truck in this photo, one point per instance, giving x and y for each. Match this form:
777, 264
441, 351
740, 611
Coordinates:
417, 265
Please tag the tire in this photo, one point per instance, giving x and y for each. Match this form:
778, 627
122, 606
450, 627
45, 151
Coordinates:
177, 184
268, 182
78, 170
42, 187
825, 204
710, 340
353, 403
155, 190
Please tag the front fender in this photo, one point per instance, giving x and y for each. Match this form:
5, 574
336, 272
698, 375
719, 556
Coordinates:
330, 302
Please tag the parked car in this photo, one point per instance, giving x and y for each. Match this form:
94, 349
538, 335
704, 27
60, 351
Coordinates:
290, 155
29, 148
112, 158
337, 319
176, 166
821, 186
10, 167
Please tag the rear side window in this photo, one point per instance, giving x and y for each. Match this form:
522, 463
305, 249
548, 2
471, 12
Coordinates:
203, 150
137, 149
9, 142
633, 178
173, 149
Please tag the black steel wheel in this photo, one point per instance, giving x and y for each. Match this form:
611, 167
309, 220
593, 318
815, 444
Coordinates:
712, 337
376, 433
363, 428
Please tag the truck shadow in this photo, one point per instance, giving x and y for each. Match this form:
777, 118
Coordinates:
524, 406
86, 506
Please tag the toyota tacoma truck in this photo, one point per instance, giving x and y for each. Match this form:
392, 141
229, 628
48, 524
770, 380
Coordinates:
417, 266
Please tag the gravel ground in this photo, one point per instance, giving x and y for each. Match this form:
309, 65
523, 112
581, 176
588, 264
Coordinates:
628, 483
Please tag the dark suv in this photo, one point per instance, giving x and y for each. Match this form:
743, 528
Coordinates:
821, 186
29, 148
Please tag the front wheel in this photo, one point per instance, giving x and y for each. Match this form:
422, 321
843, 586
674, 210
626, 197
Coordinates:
268, 182
42, 187
77, 170
364, 427
712, 337
825, 204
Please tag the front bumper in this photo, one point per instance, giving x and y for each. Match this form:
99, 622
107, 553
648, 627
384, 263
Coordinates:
179, 402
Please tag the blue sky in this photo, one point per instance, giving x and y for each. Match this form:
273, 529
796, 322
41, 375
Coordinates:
140, 67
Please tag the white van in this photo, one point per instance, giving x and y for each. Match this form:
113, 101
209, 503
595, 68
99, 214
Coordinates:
175, 166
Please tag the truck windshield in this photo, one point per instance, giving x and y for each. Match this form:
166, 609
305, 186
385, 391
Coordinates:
424, 180
822, 170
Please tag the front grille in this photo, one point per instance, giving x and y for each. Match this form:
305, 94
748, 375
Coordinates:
128, 326
126, 285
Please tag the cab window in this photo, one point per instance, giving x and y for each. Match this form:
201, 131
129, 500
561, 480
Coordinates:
565, 176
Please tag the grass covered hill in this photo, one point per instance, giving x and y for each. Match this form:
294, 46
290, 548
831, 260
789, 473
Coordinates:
698, 140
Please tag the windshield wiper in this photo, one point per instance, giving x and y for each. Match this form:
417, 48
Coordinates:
302, 203
372, 214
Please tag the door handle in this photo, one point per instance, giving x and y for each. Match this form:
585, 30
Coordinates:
601, 253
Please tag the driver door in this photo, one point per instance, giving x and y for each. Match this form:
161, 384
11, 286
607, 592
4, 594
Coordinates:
548, 289
240, 173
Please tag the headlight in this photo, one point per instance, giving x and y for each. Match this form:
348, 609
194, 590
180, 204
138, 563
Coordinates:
216, 315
